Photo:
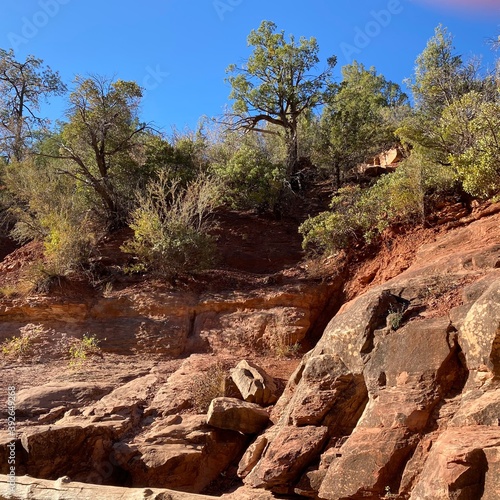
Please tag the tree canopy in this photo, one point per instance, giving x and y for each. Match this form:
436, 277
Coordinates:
22, 86
99, 140
359, 118
276, 87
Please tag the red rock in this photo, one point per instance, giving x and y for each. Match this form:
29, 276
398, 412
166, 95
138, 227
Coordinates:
289, 453
462, 463
254, 384
235, 415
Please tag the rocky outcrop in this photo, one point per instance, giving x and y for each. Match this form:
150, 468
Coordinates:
384, 163
463, 463
398, 399
402, 379
65, 488
63, 396
181, 453
175, 323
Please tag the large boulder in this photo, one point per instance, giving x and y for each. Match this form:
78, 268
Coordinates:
180, 452
480, 332
126, 400
41, 399
81, 452
175, 395
254, 384
235, 415
286, 457
371, 460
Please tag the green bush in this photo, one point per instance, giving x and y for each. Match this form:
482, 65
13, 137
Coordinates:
250, 179
46, 206
479, 170
361, 214
171, 227
23, 345
328, 232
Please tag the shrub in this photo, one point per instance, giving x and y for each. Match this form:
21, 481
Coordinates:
23, 345
82, 349
281, 344
328, 232
47, 207
209, 385
17, 346
41, 277
171, 227
395, 318
360, 215
250, 179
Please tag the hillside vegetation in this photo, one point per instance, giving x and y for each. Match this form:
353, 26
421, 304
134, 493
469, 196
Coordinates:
101, 169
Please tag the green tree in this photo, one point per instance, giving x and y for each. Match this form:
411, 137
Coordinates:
181, 157
441, 78
359, 120
452, 128
22, 87
275, 85
470, 127
100, 142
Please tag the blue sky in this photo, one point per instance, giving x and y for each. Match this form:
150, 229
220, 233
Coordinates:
179, 49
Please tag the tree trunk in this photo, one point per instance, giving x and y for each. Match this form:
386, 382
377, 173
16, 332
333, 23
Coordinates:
292, 154
18, 146
338, 179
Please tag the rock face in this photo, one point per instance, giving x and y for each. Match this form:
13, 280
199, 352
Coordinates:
463, 463
401, 393
400, 398
384, 163
176, 323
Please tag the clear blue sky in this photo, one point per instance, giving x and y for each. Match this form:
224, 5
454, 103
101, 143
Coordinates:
179, 49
